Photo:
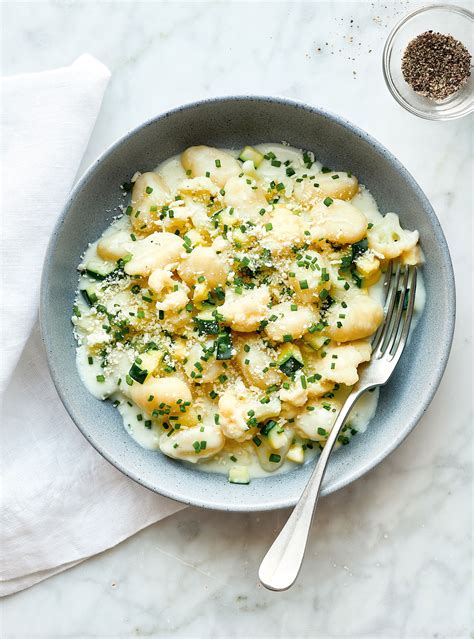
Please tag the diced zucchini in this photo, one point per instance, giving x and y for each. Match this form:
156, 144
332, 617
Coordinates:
138, 373
239, 475
144, 366
296, 454
290, 359
206, 323
249, 153
359, 248
265, 430
315, 340
267, 456
224, 346
90, 295
99, 269
151, 359
277, 438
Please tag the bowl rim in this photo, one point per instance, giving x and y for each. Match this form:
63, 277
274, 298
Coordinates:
273, 503
426, 115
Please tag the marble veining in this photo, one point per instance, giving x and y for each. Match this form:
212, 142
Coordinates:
390, 555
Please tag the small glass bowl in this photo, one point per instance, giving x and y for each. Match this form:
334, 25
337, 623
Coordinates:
446, 19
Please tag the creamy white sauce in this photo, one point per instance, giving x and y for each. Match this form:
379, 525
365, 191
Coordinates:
146, 431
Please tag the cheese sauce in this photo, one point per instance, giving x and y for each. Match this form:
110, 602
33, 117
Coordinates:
104, 376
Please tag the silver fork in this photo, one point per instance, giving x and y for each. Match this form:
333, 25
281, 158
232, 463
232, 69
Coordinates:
282, 563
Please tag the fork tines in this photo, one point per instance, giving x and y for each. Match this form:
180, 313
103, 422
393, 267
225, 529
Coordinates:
400, 291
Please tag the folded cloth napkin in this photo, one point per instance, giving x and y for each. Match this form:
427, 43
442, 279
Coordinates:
61, 502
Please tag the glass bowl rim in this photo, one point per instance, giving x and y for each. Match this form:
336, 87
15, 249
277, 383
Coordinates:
430, 115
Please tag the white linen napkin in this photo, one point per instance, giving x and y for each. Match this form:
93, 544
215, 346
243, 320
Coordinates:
61, 502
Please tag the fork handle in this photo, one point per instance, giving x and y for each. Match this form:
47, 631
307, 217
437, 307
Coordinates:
282, 563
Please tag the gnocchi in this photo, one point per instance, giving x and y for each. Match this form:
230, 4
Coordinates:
158, 250
338, 221
227, 312
354, 318
205, 161
337, 185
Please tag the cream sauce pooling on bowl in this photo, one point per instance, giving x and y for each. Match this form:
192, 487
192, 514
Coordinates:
269, 246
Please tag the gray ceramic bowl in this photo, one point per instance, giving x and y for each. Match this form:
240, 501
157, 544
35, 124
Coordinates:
233, 122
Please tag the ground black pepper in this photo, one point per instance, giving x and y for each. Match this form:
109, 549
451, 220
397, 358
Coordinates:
436, 65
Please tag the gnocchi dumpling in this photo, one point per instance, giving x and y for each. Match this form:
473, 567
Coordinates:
203, 262
283, 230
317, 423
158, 250
388, 239
335, 184
340, 361
165, 395
244, 197
150, 194
201, 366
297, 393
338, 221
151, 188
413, 256
309, 275
206, 161
285, 323
198, 186
233, 417
353, 318
114, 246
161, 279
257, 365
244, 311
174, 301
192, 444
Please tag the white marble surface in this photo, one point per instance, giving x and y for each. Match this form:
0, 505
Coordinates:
390, 556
